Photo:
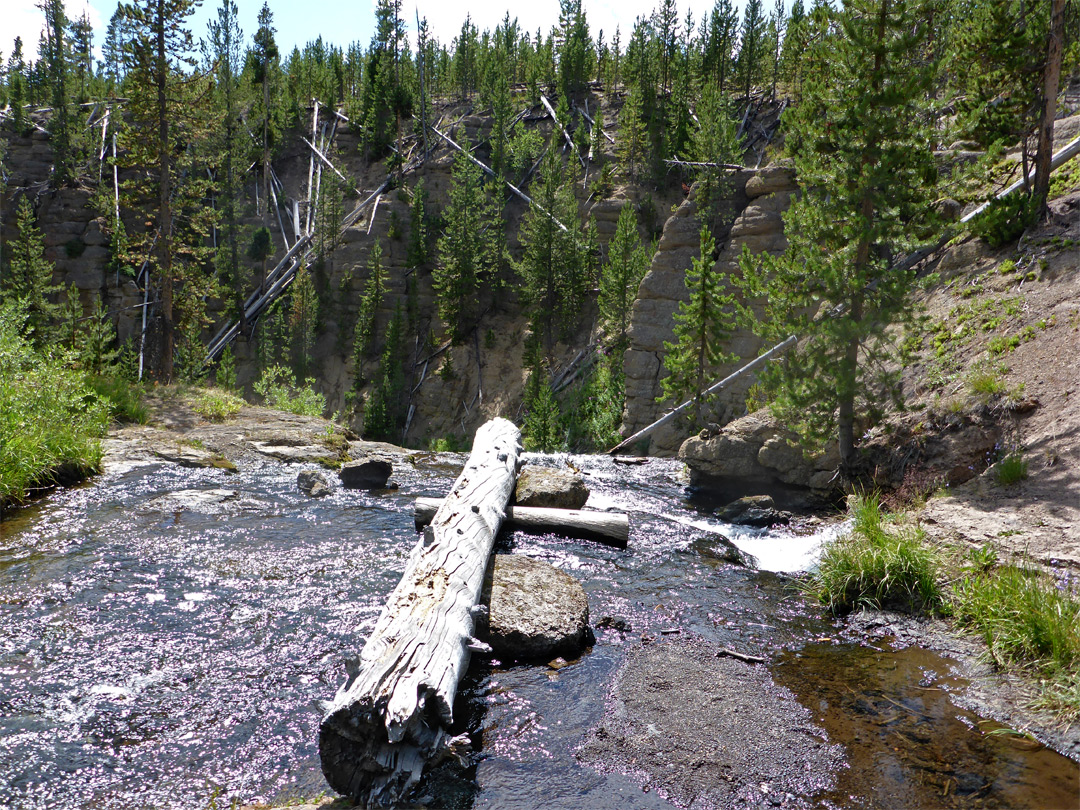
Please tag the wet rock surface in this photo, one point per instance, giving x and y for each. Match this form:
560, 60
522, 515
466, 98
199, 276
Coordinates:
535, 611
314, 483
757, 511
706, 731
716, 548
546, 487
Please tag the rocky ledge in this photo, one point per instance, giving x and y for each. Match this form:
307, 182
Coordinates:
756, 455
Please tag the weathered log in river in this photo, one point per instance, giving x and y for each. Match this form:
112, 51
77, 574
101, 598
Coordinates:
392, 717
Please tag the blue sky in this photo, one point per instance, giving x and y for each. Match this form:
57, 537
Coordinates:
342, 22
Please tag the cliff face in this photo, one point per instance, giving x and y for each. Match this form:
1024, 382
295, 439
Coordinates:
747, 216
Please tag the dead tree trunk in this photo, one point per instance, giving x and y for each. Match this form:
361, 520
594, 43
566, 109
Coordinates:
393, 716
610, 528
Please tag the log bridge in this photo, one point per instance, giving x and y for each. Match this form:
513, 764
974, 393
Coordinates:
393, 715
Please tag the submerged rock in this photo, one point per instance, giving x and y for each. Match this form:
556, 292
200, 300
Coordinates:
757, 511
297, 453
718, 548
314, 483
708, 731
369, 472
189, 455
543, 486
535, 611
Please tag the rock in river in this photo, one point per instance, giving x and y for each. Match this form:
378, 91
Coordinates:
369, 472
314, 483
543, 486
535, 611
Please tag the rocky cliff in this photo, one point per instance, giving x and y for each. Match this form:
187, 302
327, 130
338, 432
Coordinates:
747, 217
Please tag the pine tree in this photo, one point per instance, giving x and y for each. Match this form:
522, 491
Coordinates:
470, 249
541, 430
82, 52
226, 43
158, 118
633, 143
55, 57
574, 47
701, 326
29, 276
627, 262
752, 44
364, 333
264, 69
16, 81
867, 173
303, 320
384, 416
777, 23
419, 251
552, 264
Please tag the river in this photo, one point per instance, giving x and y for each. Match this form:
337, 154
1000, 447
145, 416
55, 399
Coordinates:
169, 652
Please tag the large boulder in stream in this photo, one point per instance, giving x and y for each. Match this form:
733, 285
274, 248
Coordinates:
370, 472
757, 455
314, 483
546, 487
535, 611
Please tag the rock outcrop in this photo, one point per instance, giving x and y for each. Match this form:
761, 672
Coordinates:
756, 455
314, 483
748, 217
546, 487
535, 611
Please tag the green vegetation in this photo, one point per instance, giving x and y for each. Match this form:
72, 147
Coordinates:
878, 565
217, 404
1011, 469
50, 418
279, 389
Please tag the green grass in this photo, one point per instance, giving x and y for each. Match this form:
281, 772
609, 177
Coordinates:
50, 417
125, 398
216, 404
1023, 618
877, 566
1011, 470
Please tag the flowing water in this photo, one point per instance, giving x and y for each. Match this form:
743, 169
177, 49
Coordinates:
157, 651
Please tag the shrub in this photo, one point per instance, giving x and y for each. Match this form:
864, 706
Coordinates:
877, 566
217, 404
279, 389
1004, 220
50, 418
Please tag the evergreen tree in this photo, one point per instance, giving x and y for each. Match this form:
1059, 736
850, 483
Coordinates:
117, 36
384, 416
82, 52
627, 263
159, 118
364, 333
574, 47
752, 44
55, 56
541, 430
29, 276
552, 264
419, 251
226, 43
303, 320
16, 86
633, 143
95, 342
867, 173
777, 23
666, 26
263, 63
702, 325
470, 249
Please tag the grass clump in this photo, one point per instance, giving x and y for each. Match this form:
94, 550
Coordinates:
877, 566
217, 404
50, 417
124, 397
1023, 616
1012, 469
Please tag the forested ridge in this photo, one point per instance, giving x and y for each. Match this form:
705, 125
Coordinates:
497, 199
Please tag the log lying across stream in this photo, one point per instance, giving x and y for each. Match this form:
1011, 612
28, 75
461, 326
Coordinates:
611, 528
392, 717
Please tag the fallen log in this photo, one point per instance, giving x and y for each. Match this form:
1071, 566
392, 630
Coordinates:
392, 717
610, 528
